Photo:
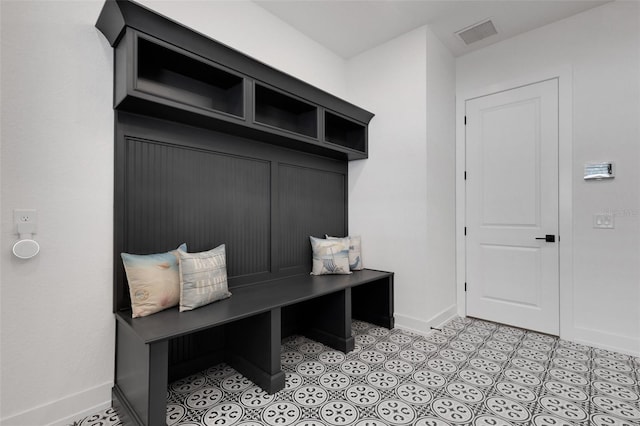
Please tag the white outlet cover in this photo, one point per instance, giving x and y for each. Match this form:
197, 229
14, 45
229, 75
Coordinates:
603, 221
25, 216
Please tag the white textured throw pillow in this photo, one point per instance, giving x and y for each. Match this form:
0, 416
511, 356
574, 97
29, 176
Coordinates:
330, 256
203, 278
355, 252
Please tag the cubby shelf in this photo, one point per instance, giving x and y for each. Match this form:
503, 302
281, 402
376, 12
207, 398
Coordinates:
285, 112
345, 133
176, 76
167, 71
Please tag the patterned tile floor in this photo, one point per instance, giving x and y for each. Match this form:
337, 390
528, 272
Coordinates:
471, 373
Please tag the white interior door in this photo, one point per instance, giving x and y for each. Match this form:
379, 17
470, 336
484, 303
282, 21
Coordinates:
511, 203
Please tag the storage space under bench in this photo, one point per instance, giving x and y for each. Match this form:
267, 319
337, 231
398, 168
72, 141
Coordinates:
244, 331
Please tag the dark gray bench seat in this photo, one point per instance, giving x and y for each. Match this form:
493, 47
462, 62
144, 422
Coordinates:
245, 331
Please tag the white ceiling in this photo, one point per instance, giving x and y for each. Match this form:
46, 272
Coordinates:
349, 27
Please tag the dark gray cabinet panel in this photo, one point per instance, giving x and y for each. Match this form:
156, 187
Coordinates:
179, 184
311, 202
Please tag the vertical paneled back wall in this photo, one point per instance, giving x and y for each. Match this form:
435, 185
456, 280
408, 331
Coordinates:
177, 183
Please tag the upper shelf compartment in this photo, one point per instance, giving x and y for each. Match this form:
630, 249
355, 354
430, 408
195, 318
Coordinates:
177, 76
345, 133
285, 112
165, 70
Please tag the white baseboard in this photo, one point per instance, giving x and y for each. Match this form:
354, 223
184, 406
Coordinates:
423, 326
64, 411
611, 342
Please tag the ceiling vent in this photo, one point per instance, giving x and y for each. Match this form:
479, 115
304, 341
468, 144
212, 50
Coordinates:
477, 32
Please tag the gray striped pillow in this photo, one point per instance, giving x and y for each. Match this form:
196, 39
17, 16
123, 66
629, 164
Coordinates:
203, 278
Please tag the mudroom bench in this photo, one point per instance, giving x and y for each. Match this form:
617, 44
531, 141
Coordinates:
248, 328
214, 147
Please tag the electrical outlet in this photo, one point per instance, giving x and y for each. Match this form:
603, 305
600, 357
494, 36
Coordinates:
603, 221
26, 221
24, 216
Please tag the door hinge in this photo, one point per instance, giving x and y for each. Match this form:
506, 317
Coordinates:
465, 120
465, 286
465, 230
465, 175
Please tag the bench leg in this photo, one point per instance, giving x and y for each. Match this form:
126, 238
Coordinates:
140, 391
331, 321
253, 349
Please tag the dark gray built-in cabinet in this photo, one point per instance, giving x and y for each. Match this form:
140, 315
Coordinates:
213, 147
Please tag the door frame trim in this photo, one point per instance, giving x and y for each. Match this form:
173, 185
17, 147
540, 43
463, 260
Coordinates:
564, 74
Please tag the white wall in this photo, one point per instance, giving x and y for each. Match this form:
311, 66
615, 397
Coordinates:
57, 330
57, 157
255, 32
396, 203
602, 47
441, 191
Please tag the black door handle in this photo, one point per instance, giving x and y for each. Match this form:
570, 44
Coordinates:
548, 238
